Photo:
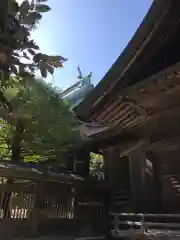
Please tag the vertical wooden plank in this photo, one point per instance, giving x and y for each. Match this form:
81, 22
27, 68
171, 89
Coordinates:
138, 185
111, 156
158, 201
35, 210
81, 163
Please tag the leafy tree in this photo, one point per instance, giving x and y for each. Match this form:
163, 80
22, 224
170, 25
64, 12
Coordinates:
96, 161
97, 165
20, 56
5, 140
34, 121
43, 127
17, 44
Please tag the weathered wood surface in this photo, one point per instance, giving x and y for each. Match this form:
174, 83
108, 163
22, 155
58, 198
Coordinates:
32, 207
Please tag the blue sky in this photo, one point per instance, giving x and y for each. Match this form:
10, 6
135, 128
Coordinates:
91, 33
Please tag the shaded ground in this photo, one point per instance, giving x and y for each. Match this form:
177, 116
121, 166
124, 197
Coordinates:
42, 238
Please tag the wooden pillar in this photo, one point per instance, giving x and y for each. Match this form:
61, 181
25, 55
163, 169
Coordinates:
157, 185
81, 163
111, 157
111, 162
35, 211
117, 180
117, 174
116, 171
138, 184
81, 168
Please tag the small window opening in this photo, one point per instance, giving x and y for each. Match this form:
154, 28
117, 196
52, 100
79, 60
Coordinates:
97, 166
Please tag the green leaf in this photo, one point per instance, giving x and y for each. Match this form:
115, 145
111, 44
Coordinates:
21, 69
12, 7
50, 69
31, 51
32, 5
15, 54
24, 8
29, 44
32, 69
31, 18
14, 69
38, 57
25, 56
42, 8
11, 92
21, 34
43, 70
15, 61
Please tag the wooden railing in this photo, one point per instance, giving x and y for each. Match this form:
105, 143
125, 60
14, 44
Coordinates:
39, 207
90, 210
132, 225
28, 206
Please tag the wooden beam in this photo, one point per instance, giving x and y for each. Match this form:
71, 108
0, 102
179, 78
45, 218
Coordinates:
138, 185
170, 144
165, 145
156, 79
146, 123
139, 50
121, 107
162, 96
127, 148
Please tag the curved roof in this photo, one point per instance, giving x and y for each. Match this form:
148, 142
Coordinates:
35, 172
145, 42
